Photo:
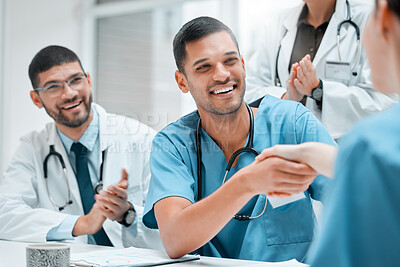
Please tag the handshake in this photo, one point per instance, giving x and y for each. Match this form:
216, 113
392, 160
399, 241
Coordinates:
285, 170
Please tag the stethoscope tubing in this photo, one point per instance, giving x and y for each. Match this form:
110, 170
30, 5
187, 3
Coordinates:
346, 21
248, 148
97, 187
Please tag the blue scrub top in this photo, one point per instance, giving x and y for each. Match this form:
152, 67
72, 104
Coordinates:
280, 234
362, 222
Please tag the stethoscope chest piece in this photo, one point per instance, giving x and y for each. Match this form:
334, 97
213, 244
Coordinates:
98, 187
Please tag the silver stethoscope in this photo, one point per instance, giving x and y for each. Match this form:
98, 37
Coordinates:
346, 21
247, 148
97, 187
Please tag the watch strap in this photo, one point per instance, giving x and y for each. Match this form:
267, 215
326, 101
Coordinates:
130, 210
320, 86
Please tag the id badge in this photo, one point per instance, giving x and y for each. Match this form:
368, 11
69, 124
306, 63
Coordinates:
335, 70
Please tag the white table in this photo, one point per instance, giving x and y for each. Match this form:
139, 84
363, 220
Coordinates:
13, 254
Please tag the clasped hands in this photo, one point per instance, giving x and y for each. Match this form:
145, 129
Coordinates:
292, 168
279, 172
302, 80
110, 204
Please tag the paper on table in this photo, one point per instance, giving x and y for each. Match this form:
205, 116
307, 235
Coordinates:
277, 202
289, 263
126, 257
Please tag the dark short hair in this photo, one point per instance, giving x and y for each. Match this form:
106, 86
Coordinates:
394, 6
194, 30
49, 57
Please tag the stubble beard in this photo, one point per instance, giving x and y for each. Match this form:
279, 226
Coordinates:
227, 110
75, 122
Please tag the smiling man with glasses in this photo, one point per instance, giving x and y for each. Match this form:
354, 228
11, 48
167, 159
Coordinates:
53, 187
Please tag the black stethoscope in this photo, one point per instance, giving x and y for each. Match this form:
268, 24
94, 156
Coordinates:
97, 187
247, 148
346, 21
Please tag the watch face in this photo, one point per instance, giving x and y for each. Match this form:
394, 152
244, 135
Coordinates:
317, 94
130, 217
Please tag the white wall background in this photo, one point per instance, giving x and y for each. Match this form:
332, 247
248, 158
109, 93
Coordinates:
26, 26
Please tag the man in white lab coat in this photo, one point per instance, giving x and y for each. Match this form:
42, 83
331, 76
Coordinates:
298, 59
40, 201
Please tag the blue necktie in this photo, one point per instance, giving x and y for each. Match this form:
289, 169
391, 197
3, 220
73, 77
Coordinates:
86, 188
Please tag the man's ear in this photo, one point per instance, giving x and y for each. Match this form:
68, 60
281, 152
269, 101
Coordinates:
89, 80
181, 81
36, 99
385, 19
243, 65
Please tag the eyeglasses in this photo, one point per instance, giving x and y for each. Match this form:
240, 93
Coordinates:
56, 88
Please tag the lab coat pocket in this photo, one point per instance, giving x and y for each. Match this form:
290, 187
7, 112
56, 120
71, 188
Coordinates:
289, 224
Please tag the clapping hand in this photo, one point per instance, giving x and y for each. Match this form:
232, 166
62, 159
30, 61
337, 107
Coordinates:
113, 200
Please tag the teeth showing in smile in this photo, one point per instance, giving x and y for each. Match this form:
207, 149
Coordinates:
72, 106
223, 90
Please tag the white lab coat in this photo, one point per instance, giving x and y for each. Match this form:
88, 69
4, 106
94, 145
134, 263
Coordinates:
344, 103
26, 213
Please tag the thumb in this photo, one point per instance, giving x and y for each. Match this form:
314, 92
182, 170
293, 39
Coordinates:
124, 180
124, 174
266, 153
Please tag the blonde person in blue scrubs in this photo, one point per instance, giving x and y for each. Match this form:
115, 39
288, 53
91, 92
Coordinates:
211, 68
362, 221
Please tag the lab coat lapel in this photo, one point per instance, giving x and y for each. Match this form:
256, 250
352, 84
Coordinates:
105, 137
329, 40
55, 140
287, 42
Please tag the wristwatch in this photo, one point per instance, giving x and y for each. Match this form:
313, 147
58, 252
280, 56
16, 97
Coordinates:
129, 216
317, 92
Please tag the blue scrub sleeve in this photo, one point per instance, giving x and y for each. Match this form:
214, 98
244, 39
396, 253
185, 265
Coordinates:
171, 175
362, 216
309, 129
64, 230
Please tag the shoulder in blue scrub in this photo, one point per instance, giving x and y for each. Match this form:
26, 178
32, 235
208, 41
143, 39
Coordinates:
362, 221
279, 234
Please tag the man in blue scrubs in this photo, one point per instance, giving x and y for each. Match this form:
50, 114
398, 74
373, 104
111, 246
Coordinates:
211, 69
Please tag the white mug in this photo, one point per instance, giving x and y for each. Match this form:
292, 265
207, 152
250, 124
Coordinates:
48, 254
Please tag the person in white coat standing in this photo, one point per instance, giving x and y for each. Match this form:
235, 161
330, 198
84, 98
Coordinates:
64, 183
301, 59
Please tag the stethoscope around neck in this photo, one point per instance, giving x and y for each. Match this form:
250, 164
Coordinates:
97, 187
247, 148
346, 21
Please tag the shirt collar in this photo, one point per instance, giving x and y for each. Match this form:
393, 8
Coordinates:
89, 137
303, 18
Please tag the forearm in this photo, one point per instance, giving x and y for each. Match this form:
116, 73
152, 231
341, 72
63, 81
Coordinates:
320, 157
81, 227
194, 225
89, 224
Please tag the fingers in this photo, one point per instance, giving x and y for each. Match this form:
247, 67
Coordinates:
114, 196
307, 66
298, 85
279, 166
123, 183
117, 191
293, 72
291, 189
292, 179
111, 206
295, 167
290, 152
300, 73
268, 152
278, 194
